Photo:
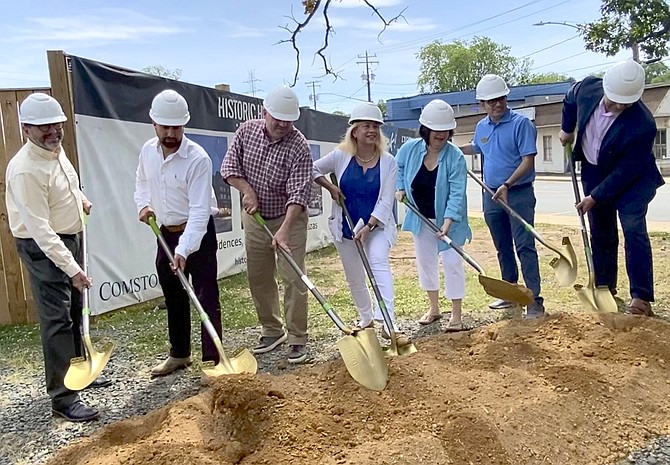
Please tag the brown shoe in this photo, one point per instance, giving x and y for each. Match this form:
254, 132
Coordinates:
169, 365
639, 307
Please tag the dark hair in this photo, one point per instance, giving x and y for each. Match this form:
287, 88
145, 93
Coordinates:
424, 132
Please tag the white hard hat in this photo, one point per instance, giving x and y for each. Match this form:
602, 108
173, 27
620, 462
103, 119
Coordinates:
366, 112
624, 82
282, 104
39, 108
169, 109
491, 86
438, 116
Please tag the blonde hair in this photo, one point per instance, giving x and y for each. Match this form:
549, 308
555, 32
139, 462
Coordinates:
349, 144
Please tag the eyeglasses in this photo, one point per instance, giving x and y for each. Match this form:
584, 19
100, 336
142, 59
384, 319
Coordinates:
495, 101
47, 127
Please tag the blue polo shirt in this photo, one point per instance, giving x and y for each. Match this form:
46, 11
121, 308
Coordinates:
503, 145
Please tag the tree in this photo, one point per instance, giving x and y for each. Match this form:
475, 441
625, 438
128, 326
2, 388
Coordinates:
636, 24
311, 9
459, 65
158, 70
383, 107
546, 78
341, 113
654, 71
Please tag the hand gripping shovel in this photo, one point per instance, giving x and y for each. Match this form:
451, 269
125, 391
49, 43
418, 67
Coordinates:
493, 287
360, 350
84, 370
596, 299
393, 350
565, 265
243, 361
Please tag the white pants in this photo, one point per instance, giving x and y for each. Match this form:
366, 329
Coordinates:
377, 251
425, 248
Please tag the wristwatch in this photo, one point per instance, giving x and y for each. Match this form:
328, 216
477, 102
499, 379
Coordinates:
507, 185
371, 226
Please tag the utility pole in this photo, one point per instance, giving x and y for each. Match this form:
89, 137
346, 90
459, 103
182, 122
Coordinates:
314, 96
368, 76
252, 82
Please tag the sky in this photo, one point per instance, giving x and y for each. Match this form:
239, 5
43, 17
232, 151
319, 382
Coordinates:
237, 42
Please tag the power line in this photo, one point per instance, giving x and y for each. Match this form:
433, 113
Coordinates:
252, 83
558, 61
368, 76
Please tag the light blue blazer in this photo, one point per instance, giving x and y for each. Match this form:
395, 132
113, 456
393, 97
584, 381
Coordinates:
450, 189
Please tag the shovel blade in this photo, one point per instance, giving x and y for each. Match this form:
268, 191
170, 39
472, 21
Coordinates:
605, 300
83, 371
506, 291
565, 265
364, 359
242, 362
586, 297
392, 351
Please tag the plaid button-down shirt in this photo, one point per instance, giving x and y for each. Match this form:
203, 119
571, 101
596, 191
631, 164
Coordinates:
280, 172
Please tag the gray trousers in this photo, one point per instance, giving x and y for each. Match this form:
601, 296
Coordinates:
59, 309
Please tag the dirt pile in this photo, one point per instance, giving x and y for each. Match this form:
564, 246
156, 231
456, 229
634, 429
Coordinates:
570, 389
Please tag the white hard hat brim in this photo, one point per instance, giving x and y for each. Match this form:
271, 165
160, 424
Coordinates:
41, 121
283, 116
439, 127
170, 122
623, 99
374, 120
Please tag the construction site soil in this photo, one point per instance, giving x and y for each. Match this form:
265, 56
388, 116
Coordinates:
566, 389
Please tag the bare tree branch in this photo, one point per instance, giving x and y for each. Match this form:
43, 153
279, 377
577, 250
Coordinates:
294, 34
386, 23
311, 8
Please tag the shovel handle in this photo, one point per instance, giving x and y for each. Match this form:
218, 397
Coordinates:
368, 270
303, 277
85, 295
204, 318
582, 221
471, 261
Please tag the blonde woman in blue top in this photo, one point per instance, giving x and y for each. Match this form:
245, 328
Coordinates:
432, 174
366, 175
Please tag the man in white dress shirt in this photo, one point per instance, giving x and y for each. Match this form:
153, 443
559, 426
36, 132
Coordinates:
174, 185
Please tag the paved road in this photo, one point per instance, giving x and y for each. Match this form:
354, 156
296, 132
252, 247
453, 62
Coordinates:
555, 200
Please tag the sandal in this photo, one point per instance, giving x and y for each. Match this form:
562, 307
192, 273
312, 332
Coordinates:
429, 318
454, 327
639, 307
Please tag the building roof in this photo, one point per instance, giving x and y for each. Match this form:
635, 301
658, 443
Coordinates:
404, 112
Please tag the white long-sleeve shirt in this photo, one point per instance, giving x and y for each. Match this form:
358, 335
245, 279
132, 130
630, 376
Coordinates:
43, 200
178, 188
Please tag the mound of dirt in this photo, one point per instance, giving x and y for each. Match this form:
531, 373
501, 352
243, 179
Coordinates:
569, 389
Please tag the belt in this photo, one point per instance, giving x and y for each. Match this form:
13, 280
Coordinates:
174, 229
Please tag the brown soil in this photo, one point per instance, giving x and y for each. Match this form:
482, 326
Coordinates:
570, 389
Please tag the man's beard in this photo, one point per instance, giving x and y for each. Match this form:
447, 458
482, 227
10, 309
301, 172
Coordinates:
170, 143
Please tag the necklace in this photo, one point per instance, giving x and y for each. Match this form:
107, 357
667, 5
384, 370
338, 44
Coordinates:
365, 160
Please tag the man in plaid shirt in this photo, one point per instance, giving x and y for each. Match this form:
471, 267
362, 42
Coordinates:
269, 162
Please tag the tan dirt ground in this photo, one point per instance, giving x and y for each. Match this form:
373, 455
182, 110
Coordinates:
569, 389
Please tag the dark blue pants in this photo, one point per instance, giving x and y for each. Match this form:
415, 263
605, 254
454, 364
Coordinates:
59, 308
631, 206
508, 234
201, 267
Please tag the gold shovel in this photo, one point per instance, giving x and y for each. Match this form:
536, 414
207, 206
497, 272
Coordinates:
360, 350
594, 298
493, 287
565, 265
243, 360
393, 350
84, 370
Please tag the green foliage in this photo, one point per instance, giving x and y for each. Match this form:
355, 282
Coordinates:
628, 24
656, 73
383, 107
459, 65
546, 78
161, 71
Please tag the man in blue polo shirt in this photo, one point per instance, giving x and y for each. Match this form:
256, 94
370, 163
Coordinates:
507, 141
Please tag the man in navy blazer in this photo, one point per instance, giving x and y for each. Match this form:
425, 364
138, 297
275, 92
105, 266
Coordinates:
615, 137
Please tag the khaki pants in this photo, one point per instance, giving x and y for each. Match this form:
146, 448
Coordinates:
262, 267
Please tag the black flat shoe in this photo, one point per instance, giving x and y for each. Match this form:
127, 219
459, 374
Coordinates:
99, 382
78, 411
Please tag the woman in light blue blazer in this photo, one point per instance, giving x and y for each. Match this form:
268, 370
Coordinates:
432, 174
